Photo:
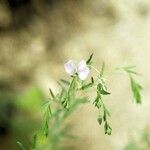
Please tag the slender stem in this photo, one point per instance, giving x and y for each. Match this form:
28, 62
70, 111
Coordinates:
95, 69
70, 86
99, 77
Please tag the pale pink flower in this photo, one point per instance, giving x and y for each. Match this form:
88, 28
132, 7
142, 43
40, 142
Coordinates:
81, 69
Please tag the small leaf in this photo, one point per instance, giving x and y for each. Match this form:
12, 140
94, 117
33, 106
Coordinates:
102, 69
51, 92
47, 117
132, 72
130, 67
136, 89
65, 103
86, 86
62, 94
46, 129
102, 89
107, 128
65, 81
100, 120
92, 80
89, 60
106, 111
72, 88
97, 102
104, 115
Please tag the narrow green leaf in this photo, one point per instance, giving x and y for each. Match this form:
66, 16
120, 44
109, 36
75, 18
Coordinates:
104, 116
97, 102
129, 67
107, 128
71, 89
92, 80
89, 60
51, 92
65, 81
86, 86
132, 72
102, 69
136, 89
65, 103
106, 111
62, 94
47, 117
46, 128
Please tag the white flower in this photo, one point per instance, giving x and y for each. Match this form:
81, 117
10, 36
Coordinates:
81, 69
70, 67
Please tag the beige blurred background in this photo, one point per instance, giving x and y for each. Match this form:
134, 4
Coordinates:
37, 37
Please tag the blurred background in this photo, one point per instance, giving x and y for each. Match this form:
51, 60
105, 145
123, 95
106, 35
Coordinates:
38, 36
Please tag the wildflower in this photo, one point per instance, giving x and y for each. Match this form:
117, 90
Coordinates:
81, 69
70, 67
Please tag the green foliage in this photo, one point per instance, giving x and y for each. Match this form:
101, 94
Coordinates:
135, 86
89, 61
53, 125
62, 104
47, 116
102, 69
136, 89
102, 89
100, 105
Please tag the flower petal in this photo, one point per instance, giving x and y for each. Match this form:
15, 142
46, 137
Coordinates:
83, 74
70, 67
83, 70
82, 65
